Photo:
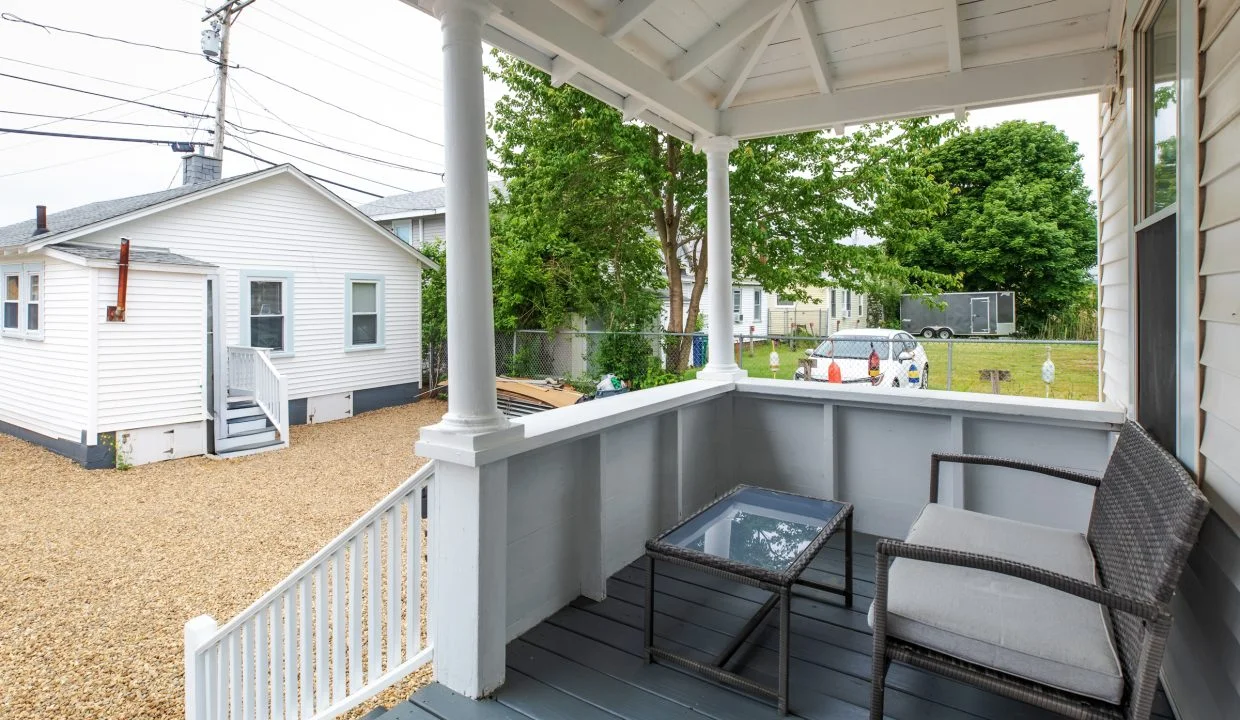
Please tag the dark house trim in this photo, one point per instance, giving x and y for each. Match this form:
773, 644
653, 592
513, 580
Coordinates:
91, 457
363, 400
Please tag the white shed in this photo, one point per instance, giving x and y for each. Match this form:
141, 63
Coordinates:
250, 304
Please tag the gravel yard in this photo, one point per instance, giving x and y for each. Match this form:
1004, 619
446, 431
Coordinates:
99, 570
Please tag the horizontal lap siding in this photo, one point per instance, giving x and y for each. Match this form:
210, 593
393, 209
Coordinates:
43, 386
151, 366
281, 225
1202, 666
1113, 252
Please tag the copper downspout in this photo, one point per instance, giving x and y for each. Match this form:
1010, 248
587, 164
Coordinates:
117, 313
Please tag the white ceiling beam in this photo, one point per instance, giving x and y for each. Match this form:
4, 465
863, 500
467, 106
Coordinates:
734, 28
561, 34
974, 87
819, 62
633, 106
951, 25
757, 43
562, 70
1115, 22
626, 16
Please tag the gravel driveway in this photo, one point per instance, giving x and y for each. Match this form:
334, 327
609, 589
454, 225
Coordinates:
99, 570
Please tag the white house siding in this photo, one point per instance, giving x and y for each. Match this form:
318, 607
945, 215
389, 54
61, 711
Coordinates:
1202, 666
43, 386
151, 367
281, 225
432, 228
1113, 254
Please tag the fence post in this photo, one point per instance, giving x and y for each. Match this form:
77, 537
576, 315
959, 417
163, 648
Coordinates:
197, 631
950, 343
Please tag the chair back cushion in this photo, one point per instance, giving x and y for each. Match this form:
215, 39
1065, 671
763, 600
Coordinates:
1145, 520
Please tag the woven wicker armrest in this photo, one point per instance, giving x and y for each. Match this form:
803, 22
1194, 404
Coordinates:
1124, 603
1064, 473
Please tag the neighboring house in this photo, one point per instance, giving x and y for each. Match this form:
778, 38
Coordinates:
417, 217
251, 303
760, 313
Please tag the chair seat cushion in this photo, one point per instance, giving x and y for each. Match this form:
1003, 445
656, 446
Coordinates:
997, 621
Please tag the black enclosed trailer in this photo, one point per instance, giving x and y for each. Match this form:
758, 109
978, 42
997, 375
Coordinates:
984, 314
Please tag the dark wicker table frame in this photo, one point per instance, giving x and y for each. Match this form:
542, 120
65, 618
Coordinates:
780, 585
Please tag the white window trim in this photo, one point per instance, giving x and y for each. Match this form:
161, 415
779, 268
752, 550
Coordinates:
23, 273
286, 299
380, 308
738, 303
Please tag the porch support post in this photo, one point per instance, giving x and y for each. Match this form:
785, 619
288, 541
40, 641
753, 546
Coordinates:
472, 409
721, 363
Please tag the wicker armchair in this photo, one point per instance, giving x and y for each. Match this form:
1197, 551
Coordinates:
1066, 606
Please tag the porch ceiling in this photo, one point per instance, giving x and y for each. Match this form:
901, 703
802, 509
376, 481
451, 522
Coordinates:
752, 68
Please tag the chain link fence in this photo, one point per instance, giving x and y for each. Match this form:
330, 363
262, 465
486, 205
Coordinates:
1005, 366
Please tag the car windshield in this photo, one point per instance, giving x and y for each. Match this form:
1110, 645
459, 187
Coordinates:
857, 347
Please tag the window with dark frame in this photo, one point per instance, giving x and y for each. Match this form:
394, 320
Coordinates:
1160, 117
364, 312
267, 316
12, 301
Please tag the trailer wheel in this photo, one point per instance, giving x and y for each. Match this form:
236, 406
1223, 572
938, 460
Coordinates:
927, 332
945, 334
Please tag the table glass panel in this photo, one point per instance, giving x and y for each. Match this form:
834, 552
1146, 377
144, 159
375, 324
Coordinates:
758, 527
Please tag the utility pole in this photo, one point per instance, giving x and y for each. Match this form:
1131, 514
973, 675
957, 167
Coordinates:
224, 16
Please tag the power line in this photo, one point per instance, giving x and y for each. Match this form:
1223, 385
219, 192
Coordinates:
337, 150
315, 177
91, 120
75, 136
95, 77
182, 113
48, 28
435, 81
67, 162
319, 164
340, 108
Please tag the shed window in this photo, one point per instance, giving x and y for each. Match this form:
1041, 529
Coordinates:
267, 318
12, 301
32, 303
364, 310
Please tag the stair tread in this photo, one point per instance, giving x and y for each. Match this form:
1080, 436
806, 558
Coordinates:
255, 431
247, 418
244, 448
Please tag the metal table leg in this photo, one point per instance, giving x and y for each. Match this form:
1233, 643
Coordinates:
848, 561
649, 606
785, 616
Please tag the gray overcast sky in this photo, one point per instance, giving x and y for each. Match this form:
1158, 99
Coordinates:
379, 58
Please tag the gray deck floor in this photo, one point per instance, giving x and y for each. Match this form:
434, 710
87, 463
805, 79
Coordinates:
584, 663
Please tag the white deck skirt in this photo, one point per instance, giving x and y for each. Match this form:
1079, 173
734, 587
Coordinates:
756, 68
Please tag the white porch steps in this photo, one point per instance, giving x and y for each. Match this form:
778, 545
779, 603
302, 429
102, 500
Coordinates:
248, 430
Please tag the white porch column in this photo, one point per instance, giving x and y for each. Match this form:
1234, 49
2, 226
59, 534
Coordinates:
472, 409
467, 603
721, 362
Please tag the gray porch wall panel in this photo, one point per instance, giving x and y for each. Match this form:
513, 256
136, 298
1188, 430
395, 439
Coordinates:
635, 460
1202, 665
542, 531
705, 449
1030, 497
779, 444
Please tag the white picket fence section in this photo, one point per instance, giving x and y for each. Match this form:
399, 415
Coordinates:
250, 372
343, 627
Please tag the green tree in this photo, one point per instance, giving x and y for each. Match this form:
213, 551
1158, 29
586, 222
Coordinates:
1019, 219
627, 202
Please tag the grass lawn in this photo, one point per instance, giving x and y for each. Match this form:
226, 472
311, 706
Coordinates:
1076, 366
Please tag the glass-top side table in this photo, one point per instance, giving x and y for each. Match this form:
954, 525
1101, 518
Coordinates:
758, 537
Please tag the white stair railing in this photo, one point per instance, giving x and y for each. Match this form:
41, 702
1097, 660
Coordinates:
345, 626
251, 373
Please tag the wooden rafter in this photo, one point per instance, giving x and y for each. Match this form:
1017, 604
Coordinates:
757, 43
951, 26
626, 16
815, 50
739, 24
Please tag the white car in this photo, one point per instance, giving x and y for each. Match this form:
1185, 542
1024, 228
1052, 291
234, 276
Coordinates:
902, 360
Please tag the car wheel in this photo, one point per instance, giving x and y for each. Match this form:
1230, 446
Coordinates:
798, 377
895, 382
927, 332
945, 334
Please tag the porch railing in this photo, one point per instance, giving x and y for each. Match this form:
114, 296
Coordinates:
250, 372
342, 628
